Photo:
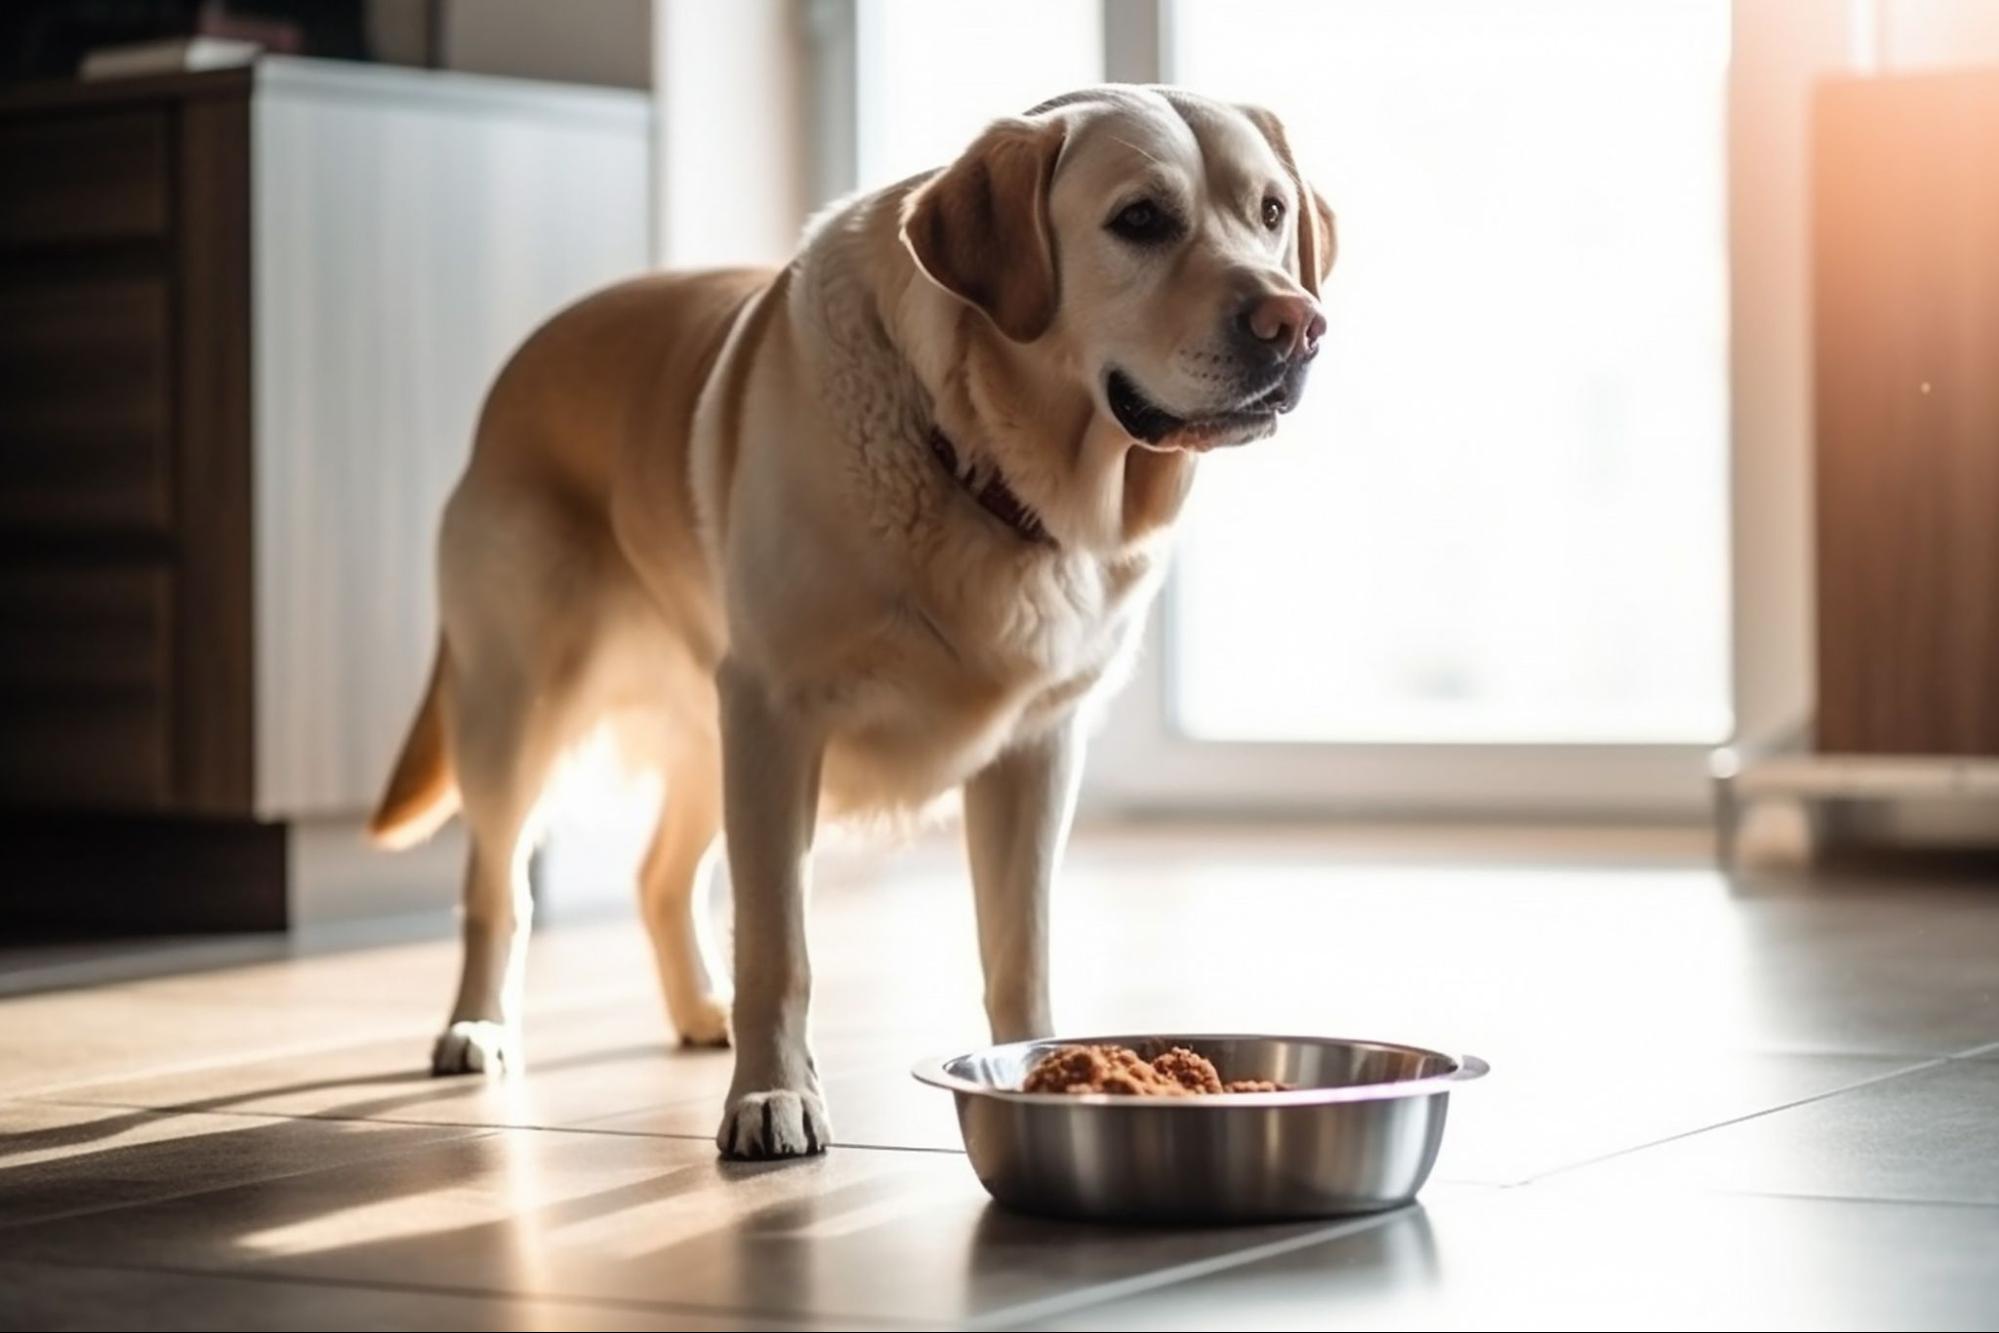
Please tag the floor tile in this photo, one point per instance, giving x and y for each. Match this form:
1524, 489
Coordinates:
61, 1160
581, 1065
1930, 1135
51, 1297
1540, 1258
1537, 1113
1497, 960
1887, 968
855, 1234
601, 959
1728, 1096
302, 1004
55, 1041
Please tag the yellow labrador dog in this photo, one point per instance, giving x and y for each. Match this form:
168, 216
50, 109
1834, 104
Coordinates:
842, 537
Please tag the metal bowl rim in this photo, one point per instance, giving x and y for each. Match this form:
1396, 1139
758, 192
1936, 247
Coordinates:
936, 1073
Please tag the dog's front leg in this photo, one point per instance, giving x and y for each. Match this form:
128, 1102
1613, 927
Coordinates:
1017, 814
770, 802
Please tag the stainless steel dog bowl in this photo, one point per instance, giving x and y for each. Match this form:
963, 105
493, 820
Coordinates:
1355, 1131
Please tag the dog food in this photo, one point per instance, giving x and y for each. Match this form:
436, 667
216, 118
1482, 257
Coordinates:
1120, 1071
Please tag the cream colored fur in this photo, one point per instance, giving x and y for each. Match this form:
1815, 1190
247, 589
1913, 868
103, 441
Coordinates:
701, 512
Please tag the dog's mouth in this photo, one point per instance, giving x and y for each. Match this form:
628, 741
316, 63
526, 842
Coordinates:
1156, 428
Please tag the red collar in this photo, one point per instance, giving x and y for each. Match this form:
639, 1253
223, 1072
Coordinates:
991, 491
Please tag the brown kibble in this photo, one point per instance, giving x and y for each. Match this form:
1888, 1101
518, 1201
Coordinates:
1121, 1072
1069, 1069
1192, 1072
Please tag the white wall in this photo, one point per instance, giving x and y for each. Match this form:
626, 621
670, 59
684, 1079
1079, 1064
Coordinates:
1932, 34
732, 81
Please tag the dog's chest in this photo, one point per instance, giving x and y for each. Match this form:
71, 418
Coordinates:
966, 664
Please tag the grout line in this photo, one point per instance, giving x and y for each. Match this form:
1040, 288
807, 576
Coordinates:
278, 1277
1795, 1196
1106, 1292
587, 1127
902, 1147
327, 1117
1978, 1052
1933, 1062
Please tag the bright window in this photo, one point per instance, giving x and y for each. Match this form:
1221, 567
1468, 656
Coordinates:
1501, 514
930, 74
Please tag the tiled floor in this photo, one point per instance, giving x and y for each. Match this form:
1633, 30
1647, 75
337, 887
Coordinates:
1762, 1106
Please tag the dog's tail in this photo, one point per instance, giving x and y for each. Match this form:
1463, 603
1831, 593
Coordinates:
422, 791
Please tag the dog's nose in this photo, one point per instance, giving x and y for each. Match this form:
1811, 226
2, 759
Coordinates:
1290, 325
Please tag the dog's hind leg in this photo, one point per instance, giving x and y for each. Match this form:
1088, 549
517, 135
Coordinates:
506, 735
671, 879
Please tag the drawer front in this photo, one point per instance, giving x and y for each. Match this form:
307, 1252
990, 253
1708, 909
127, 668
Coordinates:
1906, 316
86, 176
85, 406
86, 685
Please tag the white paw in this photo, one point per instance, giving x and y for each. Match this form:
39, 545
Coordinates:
474, 1046
759, 1126
707, 1024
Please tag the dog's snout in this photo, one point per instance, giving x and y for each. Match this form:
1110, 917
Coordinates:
1287, 325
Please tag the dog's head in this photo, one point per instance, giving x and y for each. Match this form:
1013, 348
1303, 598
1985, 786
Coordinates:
1160, 245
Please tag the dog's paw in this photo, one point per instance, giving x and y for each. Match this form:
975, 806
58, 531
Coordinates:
707, 1024
475, 1046
761, 1126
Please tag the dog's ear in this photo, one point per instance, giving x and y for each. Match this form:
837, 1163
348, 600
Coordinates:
979, 228
1318, 242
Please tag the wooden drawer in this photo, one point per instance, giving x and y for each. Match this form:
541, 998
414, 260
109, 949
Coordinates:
85, 441
85, 176
1906, 315
86, 679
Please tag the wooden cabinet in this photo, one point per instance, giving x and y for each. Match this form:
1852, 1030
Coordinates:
125, 448
79, 169
1906, 292
246, 321
86, 684
86, 372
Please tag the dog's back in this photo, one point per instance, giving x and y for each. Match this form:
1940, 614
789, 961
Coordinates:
600, 398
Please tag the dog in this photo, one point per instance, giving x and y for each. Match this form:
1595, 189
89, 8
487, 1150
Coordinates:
837, 539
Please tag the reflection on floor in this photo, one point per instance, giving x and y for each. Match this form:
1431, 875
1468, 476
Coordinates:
1765, 1105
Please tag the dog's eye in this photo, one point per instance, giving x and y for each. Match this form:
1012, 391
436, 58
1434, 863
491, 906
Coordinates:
1273, 213
1144, 223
